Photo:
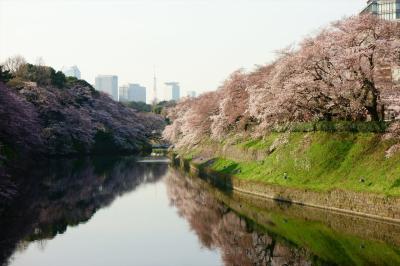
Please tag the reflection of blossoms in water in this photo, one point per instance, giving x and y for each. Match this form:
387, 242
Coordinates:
218, 227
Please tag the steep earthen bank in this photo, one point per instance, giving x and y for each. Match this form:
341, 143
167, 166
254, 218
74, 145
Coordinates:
227, 166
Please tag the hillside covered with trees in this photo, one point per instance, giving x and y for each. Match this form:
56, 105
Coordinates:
45, 114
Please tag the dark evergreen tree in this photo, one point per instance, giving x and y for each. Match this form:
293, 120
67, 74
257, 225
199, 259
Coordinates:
5, 75
58, 78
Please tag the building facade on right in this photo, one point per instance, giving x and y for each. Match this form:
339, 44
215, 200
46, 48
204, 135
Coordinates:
384, 9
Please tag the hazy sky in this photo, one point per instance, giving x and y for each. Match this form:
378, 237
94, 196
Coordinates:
196, 42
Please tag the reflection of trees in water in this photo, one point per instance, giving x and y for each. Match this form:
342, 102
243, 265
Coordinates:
219, 227
7, 189
65, 194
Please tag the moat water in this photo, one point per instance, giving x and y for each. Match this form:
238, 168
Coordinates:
125, 211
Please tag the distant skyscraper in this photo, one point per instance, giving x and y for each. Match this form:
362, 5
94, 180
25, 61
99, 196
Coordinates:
107, 84
136, 93
123, 93
71, 72
173, 90
191, 94
132, 93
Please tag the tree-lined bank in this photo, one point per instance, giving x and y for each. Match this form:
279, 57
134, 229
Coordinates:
319, 118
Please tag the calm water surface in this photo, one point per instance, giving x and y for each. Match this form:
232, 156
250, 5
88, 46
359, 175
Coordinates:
118, 211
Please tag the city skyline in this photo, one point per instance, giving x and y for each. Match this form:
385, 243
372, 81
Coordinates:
180, 43
134, 91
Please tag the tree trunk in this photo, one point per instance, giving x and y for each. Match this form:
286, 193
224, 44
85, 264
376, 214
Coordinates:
372, 106
383, 112
373, 112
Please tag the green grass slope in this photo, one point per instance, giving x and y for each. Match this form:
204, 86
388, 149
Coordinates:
319, 161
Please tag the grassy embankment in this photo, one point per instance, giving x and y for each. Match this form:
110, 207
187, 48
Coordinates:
315, 160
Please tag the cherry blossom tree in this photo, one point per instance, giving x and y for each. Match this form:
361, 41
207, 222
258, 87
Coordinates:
19, 123
338, 74
192, 119
232, 111
269, 102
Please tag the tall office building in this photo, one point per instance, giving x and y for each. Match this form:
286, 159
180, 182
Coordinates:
173, 90
132, 93
136, 93
107, 84
384, 9
123, 93
72, 71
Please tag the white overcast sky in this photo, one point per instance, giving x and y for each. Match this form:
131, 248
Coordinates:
196, 42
